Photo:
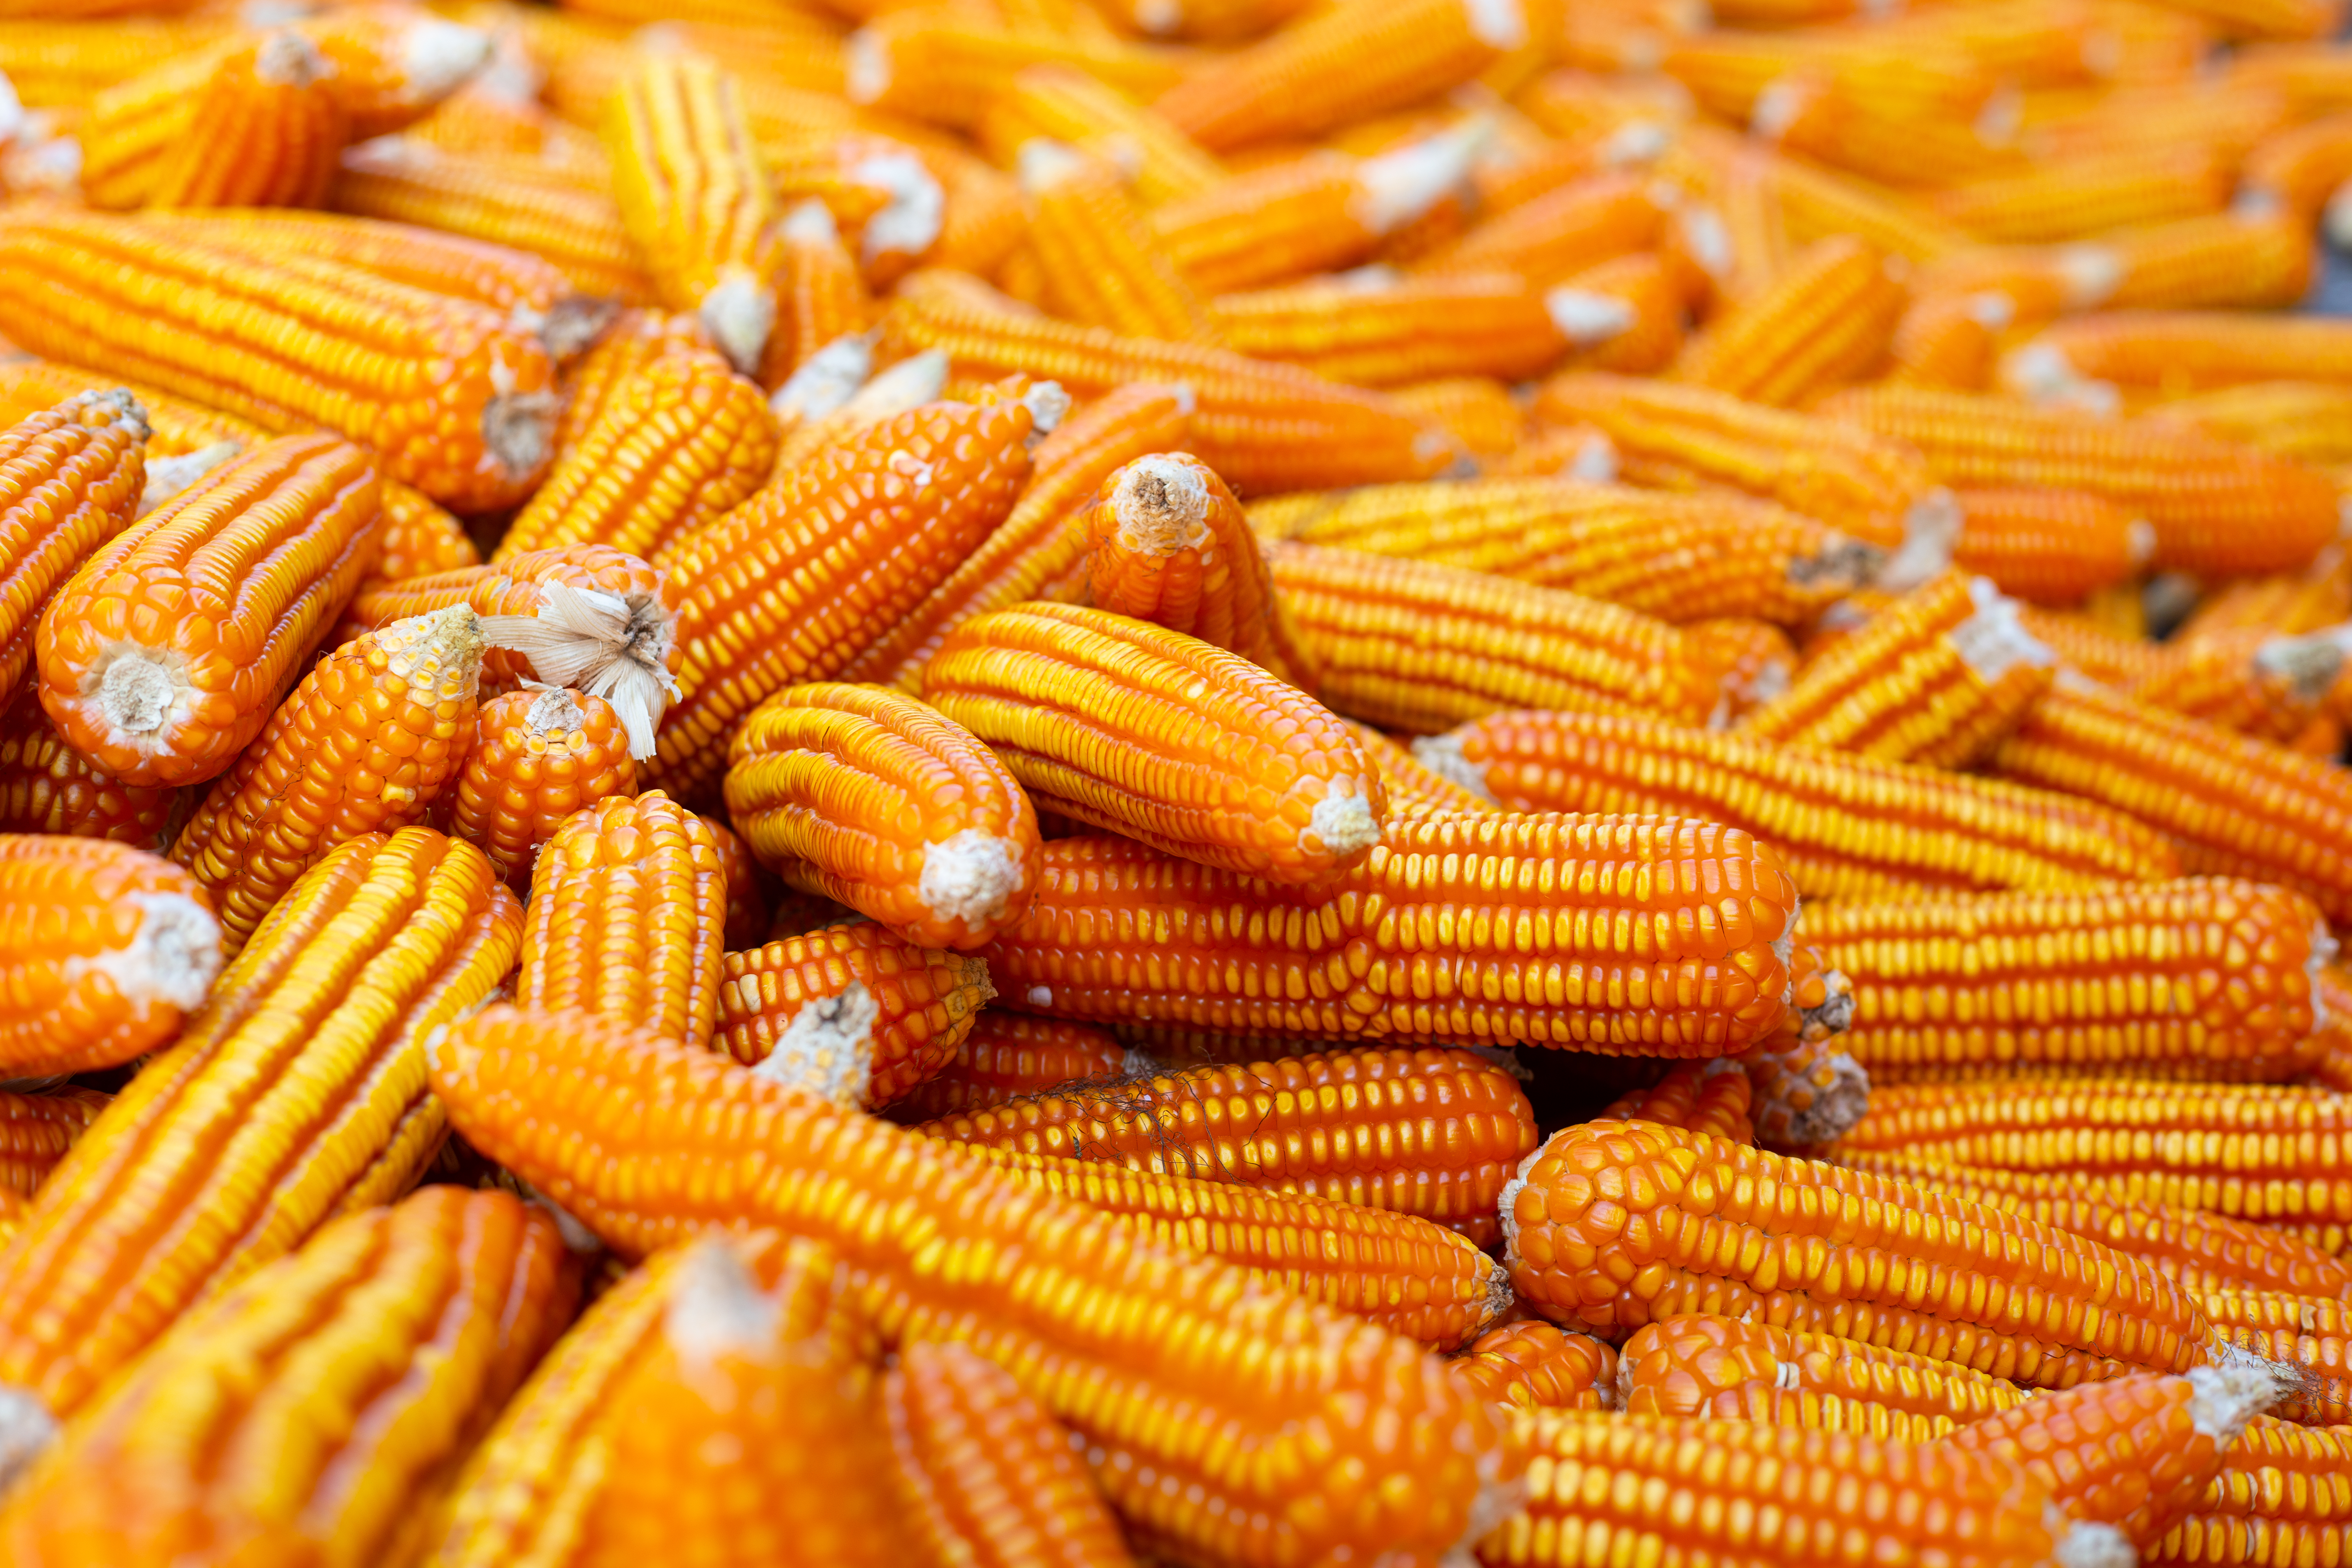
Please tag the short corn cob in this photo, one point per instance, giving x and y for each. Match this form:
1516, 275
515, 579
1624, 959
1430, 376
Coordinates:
2309, 1338
2251, 683
1817, 808
1102, 265
1063, 104
2310, 421
2180, 352
1682, 437
2074, 197
452, 396
381, 1347
1477, 410
944, 69
36, 1130
634, 342
71, 479
785, 590
2050, 546
296, 1093
162, 659
2202, 499
1262, 426
1412, 787
1119, 933
538, 756
255, 120
1632, 305
1704, 1097
1948, 337
627, 917
1722, 1369
1535, 1366
1006, 1054
697, 199
2279, 1498
1561, 235
820, 297
1823, 324
1062, 1265
416, 538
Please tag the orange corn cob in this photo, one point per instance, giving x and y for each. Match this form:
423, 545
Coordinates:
1911, 1268
626, 915
2279, 1497
2091, 648
2179, 351
162, 659
1561, 235
1411, 787
296, 1093
381, 1347
820, 297
1102, 264
1704, 1096
1052, 1310
1533, 1366
71, 58
1948, 337
2073, 196
366, 742
942, 68
2286, 602
71, 479
1120, 934
1867, 487
1036, 543
1727, 1370
634, 342
2225, 260
1826, 118
254, 120
1064, 104
452, 396
107, 948
1728, 69
866, 796
2308, 1339
538, 756
2310, 421
697, 199
1256, 777
1007, 1055
788, 588
1376, 330
415, 539
1755, 658
1477, 410
1207, 21
1416, 647
1958, 832
2052, 546
1823, 324
1262, 426
36, 1130
2294, 171
393, 66
1632, 305
2252, 682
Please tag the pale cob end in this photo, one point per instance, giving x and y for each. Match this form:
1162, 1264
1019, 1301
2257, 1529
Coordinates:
1162, 506
286, 58
971, 876
519, 430
740, 312
1587, 318
828, 1049
2089, 1545
167, 476
1993, 641
1442, 754
1930, 528
27, 1429
173, 958
438, 56
716, 1308
828, 379
2235, 1390
1345, 823
1397, 187
909, 224
607, 645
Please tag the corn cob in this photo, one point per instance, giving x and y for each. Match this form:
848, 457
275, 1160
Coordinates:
296, 1093
1478, 411
1046, 1248
634, 342
1636, 300
820, 297
1376, 330
2294, 171
503, 198
1262, 426
1416, 646
626, 915
748, 889
1533, 1366
1956, 833
369, 738
1561, 235
908, 385
1704, 1097
2235, 260
381, 1347
1823, 324
1035, 544
66, 61
2233, 806
1946, 337
2308, 1337
1825, 119
162, 658
1102, 265
1722, 1369
452, 397
1794, 201
2092, 649
393, 67
1677, 557
944, 69
2251, 683
71, 479
1119, 933
1755, 659
415, 539
2309, 421
1728, 69
1005, 1054
1863, 485
1064, 104
2180, 352
2052, 546
2072, 197
538, 757
2287, 603
785, 590
255, 120
36, 1130
2279, 1498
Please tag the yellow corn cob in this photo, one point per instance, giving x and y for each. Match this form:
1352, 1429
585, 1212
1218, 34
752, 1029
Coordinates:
36, 1130
2180, 352
2083, 195
1378, 331
2294, 171
2052, 546
1728, 69
1834, 818
1066, 104
2091, 648
1101, 263
1561, 233
415, 539
296, 1093
2310, 1338
255, 120
2279, 1497
537, 757
1704, 1096
71, 478
68, 60
943, 68
1533, 1366
2227, 117
1006, 1054
2252, 682
2225, 260
1823, 324
2309, 421
820, 297
636, 340
1946, 337
372, 735
1477, 410
377, 1351
47, 787
1119, 933
1825, 118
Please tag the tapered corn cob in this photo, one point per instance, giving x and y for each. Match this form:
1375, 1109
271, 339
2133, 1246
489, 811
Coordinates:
296, 1093
1535, 1366
2180, 352
71, 479
1064, 104
415, 539
162, 659
2310, 421
2072, 197
1704, 1096
942, 68
788, 588
1103, 267
1823, 118
1562, 234
1257, 1360
1867, 487
1823, 324
1006, 1054
1416, 646
36, 1130
107, 948
697, 199
1119, 933
392, 67
820, 298
380, 1350
1477, 410
2226, 260
627, 918
2050, 546
634, 342
2251, 683
2279, 1497
452, 396
1627, 312
1724, 1368
1822, 811
255, 120
2217, 509
1262, 426
366, 742
2308, 1337
538, 757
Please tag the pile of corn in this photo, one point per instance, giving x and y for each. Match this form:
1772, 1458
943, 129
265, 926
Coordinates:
1306, 783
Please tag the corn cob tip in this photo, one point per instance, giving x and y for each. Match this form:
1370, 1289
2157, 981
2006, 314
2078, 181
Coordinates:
1043, 162
971, 876
739, 312
810, 223
827, 1049
2234, 1391
438, 56
27, 1429
1345, 823
1930, 528
2307, 665
286, 58
167, 476
1397, 187
716, 1308
2091, 1545
1588, 318
829, 377
608, 644
1161, 505
174, 955
519, 430
1993, 641
123, 407
571, 326
1442, 754
913, 216
1832, 1109
1048, 403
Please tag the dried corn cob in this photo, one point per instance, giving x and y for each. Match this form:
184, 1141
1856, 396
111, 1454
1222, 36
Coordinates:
2076, 197
1118, 932
2307, 1338
1704, 1096
68, 60
1817, 808
2091, 648
626, 915
372, 735
2310, 421
2252, 682
1561, 235
255, 120
1533, 1366
1066, 104
1478, 411
538, 757
942, 68
71, 479
379, 1350
1062, 1265
820, 297
415, 539
2052, 546
162, 659
636, 340
2278, 1498
1824, 118
2180, 352
1946, 337
1823, 324
36, 1130
1102, 265
452, 396
1375, 329
909, 384
1632, 305
1804, 1094
295, 1094
2228, 260
1006, 1054
1755, 659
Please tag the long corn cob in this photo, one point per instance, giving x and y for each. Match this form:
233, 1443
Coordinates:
452, 396
1419, 943
1064, 104
380, 1350
36, 1130
1063, 1266
2278, 1498
942, 68
1823, 324
2310, 421
1562, 235
2181, 351
255, 120
2309, 1337
537, 757
2251, 683
2231, 261
1094, 244
1006, 1054
636, 340
2050, 546
1704, 1096
1845, 827
71, 479
68, 60
1532, 1365
1477, 410
296, 1093
2071, 197
1378, 329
